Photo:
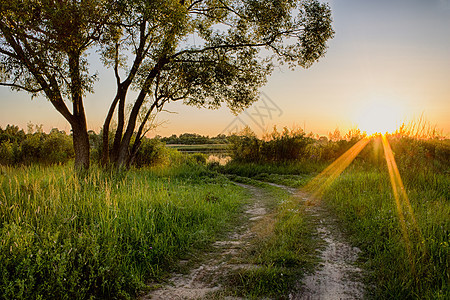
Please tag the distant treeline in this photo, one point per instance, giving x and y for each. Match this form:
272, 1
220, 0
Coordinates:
35, 146
194, 139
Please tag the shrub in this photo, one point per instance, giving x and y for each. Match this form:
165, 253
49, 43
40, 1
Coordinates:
56, 148
6, 153
199, 158
285, 146
31, 148
151, 152
289, 145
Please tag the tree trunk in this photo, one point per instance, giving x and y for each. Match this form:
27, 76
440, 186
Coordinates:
81, 145
119, 130
124, 149
139, 135
105, 133
79, 124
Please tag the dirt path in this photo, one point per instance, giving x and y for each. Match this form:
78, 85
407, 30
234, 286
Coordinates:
204, 280
335, 278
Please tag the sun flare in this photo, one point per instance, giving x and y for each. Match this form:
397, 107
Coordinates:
379, 116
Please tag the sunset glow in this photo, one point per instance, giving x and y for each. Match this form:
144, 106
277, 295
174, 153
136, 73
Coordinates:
225, 149
379, 116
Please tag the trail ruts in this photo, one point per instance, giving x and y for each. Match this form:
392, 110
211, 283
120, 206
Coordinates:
336, 277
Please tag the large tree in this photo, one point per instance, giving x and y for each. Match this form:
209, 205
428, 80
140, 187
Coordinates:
205, 53
42, 51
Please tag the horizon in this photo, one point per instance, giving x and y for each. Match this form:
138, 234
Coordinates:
428, 131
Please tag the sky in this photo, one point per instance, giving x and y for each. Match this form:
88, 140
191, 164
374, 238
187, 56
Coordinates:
389, 62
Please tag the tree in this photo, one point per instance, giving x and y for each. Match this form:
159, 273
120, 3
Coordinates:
42, 51
203, 52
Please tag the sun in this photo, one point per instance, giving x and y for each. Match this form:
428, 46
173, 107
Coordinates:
379, 116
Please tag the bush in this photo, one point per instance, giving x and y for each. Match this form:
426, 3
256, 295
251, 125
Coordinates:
199, 158
16, 147
246, 146
57, 148
31, 148
286, 146
151, 152
416, 154
290, 145
6, 153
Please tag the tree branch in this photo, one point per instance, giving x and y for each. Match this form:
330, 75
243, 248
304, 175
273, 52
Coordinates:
53, 95
10, 54
31, 90
194, 3
224, 46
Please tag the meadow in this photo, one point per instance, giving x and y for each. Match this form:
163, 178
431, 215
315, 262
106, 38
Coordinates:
363, 200
104, 235
107, 234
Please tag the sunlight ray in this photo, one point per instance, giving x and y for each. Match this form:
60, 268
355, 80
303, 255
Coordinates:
401, 201
317, 186
399, 187
397, 198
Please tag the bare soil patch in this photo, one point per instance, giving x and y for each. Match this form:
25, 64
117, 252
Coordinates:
337, 276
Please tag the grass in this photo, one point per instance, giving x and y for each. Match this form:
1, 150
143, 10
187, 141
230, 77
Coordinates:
259, 170
104, 235
363, 201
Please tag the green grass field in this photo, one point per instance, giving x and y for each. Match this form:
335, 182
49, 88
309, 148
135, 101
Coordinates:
103, 235
107, 234
364, 202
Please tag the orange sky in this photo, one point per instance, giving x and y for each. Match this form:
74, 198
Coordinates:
394, 52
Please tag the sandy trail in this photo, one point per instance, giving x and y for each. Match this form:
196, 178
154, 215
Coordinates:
336, 277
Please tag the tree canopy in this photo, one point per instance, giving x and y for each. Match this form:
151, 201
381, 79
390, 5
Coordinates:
205, 53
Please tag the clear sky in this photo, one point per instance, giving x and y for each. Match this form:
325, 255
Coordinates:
394, 53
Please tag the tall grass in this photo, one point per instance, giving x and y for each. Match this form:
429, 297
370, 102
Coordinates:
363, 200
103, 235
